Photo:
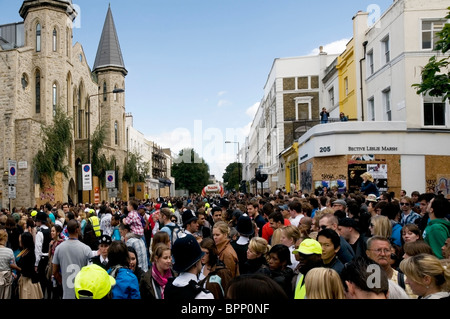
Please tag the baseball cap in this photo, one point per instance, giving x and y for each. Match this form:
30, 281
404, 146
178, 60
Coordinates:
340, 202
371, 198
308, 247
93, 282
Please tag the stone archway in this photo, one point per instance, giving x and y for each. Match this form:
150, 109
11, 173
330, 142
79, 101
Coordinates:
72, 192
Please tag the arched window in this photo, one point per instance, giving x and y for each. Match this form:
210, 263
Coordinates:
104, 92
54, 97
80, 114
54, 41
116, 133
38, 38
38, 92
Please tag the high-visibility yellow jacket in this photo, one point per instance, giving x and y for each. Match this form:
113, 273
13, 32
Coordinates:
95, 222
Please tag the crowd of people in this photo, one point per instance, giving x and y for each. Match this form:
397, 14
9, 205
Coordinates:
279, 245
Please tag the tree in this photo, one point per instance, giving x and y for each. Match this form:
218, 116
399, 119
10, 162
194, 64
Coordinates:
56, 142
135, 169
436, 74
190, 172
231, 176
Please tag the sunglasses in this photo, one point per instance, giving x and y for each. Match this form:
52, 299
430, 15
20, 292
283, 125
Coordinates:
403, 204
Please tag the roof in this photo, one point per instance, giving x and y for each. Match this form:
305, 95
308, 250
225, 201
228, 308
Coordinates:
109, 52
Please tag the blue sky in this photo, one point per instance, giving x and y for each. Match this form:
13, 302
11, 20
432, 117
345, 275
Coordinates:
197, 68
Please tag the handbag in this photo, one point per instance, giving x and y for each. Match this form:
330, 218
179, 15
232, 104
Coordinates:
49, 269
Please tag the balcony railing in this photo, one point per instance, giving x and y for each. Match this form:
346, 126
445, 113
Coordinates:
300, 127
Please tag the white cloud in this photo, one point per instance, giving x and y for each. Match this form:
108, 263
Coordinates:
251, 111
222, 103
336, 47
208, 142
222, 93
176, 140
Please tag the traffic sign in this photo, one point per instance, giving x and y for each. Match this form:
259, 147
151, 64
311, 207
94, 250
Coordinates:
112, 192
12, 172
86, 177
11, 192
110, 179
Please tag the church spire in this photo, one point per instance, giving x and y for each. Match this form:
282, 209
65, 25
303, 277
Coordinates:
108, 52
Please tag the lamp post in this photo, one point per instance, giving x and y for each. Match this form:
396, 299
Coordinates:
238, 162
89, 125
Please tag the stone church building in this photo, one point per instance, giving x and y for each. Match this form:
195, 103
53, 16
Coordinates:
40, 70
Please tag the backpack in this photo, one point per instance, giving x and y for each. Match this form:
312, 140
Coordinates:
401, 280
213, 277
175, 231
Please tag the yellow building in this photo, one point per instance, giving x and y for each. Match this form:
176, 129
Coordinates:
290, 156
347, 81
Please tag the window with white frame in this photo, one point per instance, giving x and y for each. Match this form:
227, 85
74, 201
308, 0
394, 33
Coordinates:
371, 109
54, 97
430, 28
331, 97
387, 103
54, 40
346, 86
370, 62
433, 111
386, 49
38, 37
303, 108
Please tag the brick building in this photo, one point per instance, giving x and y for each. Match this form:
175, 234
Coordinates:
41, 69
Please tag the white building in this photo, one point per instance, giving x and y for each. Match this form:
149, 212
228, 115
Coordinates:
405, 133
291, 102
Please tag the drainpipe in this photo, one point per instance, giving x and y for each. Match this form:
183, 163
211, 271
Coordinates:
361, 80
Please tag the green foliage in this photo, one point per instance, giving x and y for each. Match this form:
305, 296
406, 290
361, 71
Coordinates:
100, 164
436, 74
135, 169
190, 171
56, 142
231, 177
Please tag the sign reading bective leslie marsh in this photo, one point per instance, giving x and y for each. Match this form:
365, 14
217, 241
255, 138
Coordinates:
373, 149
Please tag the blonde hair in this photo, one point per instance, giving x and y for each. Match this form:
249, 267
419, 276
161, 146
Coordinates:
291, 232
3, 237
259, 245
381, 226
222, 227
276, 237
418, 266
158, 251
368, 176
324, 283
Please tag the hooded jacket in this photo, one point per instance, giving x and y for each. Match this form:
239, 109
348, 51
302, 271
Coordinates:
127, 285
436, 233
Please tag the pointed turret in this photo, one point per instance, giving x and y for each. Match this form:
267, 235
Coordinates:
109, 54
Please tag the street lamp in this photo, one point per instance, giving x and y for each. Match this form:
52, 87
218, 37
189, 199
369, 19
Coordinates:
239, 167
89, 124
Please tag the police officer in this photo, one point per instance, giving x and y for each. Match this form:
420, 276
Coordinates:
102, 258
187, 255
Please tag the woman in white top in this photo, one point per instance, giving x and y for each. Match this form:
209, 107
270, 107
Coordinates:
289, 236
